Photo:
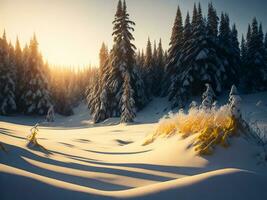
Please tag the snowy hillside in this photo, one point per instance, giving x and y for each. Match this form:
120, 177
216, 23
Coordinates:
108, 161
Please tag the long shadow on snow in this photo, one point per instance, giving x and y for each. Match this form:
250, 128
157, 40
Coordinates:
160, 168
18, 187
16, 156
8, 132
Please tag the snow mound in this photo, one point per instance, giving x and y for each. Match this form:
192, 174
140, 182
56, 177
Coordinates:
219, 184
101, 162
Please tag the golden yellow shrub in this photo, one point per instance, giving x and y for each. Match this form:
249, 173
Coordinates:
213, 126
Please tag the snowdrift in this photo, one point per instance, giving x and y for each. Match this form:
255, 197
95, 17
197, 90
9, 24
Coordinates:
220, 185
109, 162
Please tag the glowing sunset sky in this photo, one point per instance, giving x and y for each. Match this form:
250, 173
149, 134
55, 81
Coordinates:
70, 32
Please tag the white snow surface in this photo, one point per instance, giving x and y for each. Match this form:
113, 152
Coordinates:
108, 161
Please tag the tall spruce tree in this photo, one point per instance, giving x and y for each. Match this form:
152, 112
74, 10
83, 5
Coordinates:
121, 61
140, 60
199, 62
194, 17
227, 53
235, 52
175, 49
12, 62
213, 22
98, 91
244, 57
23, 74
123, 57
155, 66
155, 55
19, 71
243, 51
148, 69
187, 32
254, 69
7, 78
160, 69
36, 96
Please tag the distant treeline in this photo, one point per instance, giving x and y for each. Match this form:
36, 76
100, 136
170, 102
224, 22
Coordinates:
201, 50
28, 85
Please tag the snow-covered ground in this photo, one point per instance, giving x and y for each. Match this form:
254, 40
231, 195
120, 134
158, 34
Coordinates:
108, 161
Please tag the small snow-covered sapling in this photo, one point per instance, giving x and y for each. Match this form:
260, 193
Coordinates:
208, 98
50, 117
235, 103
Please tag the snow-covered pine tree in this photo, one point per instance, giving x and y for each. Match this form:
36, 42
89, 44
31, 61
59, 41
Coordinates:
235, 103
199, 62
213, 22
117, 65
101, 108
137, 82
148, 69
106, 100
19, 71
36, 96
12, 63
97, 95
175, 49
154, 54
140, 61
230, 59
160, 69
127, 101
7, 78
243, 51
23, 79
248, 36
187, 32
244, 57
254, 69
160, 54
236, 52
50, 116
208, 97
155, 71
139, 88
141, 99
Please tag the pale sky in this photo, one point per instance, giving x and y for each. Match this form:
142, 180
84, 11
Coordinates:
70, 32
